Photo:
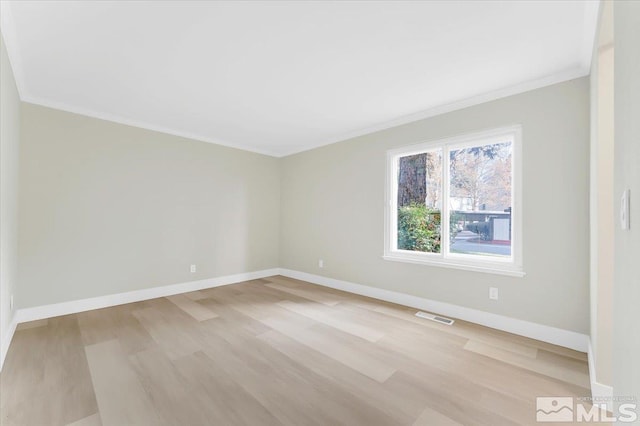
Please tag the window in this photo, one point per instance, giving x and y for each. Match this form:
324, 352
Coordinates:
456, 203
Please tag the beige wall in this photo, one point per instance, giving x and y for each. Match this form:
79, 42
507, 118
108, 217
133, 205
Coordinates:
626, 296
108, 208
9, 153
603, 206
333, 209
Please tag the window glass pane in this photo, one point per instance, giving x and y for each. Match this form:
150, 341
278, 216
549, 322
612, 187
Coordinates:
480, 200
419, 201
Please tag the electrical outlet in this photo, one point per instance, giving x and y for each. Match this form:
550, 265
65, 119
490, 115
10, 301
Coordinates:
493, 293
11, 303
320, 263
193, 268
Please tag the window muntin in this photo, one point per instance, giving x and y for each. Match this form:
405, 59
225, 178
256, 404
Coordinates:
455, 202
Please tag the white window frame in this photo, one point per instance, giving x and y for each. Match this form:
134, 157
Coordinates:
512, 265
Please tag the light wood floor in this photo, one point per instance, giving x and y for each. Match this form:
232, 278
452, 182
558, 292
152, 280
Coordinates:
276, 351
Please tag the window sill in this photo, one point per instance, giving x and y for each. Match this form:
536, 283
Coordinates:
506, 269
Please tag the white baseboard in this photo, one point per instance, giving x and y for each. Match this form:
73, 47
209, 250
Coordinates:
82, 305
557, 336
599, 392
7, 336
545, 333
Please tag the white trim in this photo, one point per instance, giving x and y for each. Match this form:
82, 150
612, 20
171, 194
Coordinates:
431, 112
589, 30
600, 392
466, 266
114, 118
7, 336
559, 77
557, 336
593, 205
82, 305
512, 265
13, 51
527, 86
8, 34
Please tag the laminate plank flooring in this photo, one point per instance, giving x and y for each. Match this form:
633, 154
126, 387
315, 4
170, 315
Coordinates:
32, 324
195, 295
93, 420
121, 397
324, 298
276, 351
196, 310
432, 417
320, 315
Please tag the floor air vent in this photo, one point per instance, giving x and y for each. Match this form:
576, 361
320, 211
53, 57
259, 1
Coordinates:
435, 318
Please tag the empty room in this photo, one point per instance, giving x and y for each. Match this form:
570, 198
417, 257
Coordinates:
319, 212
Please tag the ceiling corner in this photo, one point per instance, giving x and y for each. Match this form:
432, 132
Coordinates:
590, 31
7, 28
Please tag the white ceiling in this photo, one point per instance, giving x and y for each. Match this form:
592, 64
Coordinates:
283, 77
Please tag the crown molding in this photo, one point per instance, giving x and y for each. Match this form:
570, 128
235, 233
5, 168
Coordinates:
139, 124
428, 113
590, 24
549, 80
